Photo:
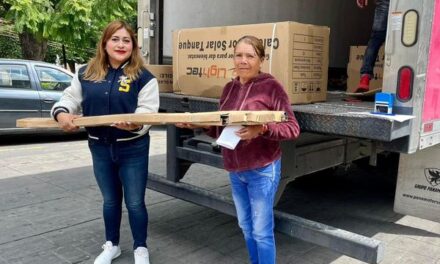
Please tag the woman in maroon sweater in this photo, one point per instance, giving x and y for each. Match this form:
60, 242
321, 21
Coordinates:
255, 164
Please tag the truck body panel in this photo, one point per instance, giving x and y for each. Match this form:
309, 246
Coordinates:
431, 110
431, 106
421, 59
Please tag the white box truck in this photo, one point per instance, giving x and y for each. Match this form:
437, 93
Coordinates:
333, 132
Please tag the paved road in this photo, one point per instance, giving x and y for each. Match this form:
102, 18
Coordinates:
51, 213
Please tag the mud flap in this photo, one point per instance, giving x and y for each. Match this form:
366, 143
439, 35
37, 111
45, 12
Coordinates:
418, 184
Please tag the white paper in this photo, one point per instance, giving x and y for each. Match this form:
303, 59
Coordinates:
228, 138
398, 118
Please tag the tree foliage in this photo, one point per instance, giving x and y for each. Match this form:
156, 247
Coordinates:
75, 23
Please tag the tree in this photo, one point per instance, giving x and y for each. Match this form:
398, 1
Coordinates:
74, 23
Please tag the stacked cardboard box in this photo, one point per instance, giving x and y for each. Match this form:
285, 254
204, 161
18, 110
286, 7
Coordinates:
354, 68
164, 76
296, 54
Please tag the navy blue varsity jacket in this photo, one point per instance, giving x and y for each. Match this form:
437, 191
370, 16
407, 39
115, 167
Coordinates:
116, 94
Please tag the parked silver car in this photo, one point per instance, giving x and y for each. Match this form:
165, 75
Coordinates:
28, 89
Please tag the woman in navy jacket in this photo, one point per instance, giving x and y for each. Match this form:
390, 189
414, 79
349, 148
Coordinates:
115, 81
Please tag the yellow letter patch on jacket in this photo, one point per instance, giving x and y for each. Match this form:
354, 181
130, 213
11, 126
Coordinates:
124, 84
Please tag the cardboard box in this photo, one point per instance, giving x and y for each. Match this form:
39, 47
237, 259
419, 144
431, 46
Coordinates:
354, 67
164, 76
296, 54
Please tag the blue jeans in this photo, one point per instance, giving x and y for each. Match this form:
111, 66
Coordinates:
253, 192
377, 38
121, 170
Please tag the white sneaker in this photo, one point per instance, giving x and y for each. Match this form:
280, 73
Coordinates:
141, 256
110, 252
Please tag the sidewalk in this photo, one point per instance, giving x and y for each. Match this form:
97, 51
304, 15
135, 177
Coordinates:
51, 213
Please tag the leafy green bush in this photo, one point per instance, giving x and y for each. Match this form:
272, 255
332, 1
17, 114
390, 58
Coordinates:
9, 47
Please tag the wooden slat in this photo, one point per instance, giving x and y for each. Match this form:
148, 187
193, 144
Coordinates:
255, 117
35, 122
204, 118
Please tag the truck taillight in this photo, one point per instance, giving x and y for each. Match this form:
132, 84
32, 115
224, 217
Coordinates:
428, 127
405, 84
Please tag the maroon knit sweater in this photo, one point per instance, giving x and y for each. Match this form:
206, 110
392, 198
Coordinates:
260, 93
